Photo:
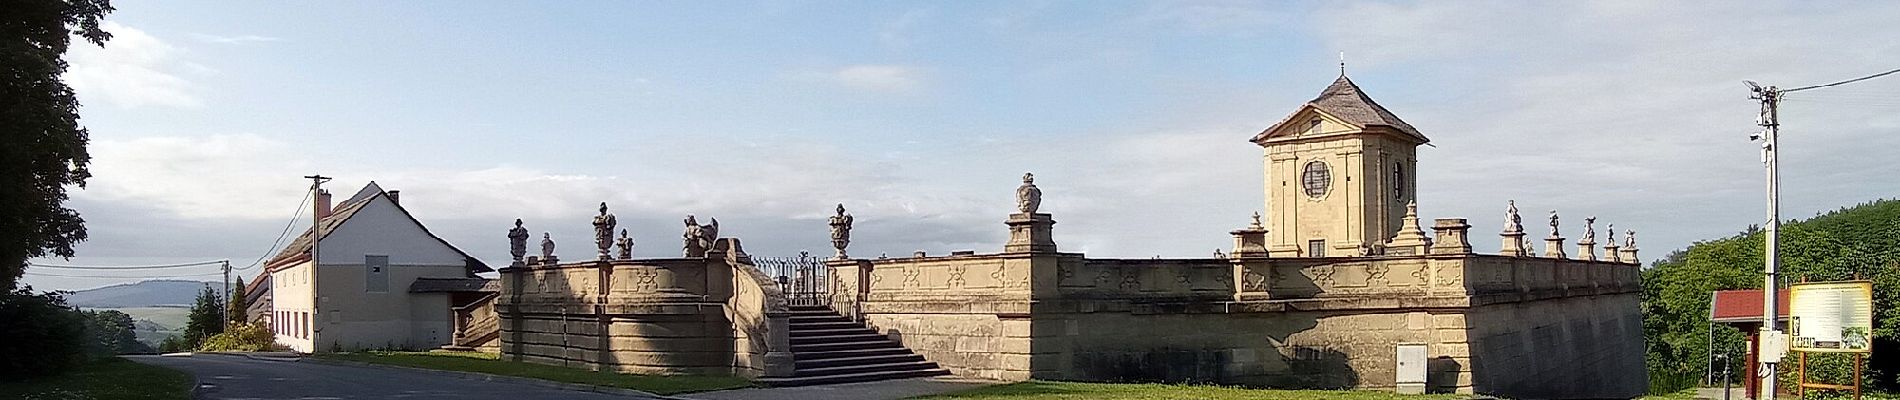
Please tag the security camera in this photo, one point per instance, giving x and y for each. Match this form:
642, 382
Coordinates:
1754, 136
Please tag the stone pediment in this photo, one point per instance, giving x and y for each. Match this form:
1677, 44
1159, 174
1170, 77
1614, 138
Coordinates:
1341, 109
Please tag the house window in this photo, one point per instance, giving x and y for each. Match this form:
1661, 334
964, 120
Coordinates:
1316, 248
376, 274
1398, 182
1312, 127
1316, 178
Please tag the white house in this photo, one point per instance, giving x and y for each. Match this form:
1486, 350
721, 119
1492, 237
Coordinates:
379, 281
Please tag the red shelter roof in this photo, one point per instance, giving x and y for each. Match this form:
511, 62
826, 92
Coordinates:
1730, 306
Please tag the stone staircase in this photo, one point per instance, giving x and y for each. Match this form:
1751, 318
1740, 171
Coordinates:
829, 348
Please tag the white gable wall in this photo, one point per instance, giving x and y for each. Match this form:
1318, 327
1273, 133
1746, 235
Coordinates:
354, 314
382, 229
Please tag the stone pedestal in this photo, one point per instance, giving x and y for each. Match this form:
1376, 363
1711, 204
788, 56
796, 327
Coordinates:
1554, 247
1410, 240
1030, 233
1513, 244
1629, 255
1611, 254
1249, 243
1587, 250
1451, 236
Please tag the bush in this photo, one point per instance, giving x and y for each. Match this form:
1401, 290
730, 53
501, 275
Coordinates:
255, 336
39, 334
173, 344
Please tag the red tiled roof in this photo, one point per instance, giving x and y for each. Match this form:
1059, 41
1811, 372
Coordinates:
1744, 306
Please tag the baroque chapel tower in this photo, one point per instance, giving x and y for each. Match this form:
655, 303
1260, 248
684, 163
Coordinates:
1340, 171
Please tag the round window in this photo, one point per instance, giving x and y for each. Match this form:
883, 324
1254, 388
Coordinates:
1316, 178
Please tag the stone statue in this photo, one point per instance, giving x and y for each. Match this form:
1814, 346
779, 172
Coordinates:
626, 245
1553, 224
691, 238
1612, 230
547, 246
841, 232
1028, 197
1513, 223
1629, 239
1256, 222
518, 241
1589, 230
604, 231
699, 238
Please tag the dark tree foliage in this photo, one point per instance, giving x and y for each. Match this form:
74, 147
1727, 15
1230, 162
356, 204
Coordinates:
42, 145
39, 334
112, 334
1862, 241
235, 314
205, 317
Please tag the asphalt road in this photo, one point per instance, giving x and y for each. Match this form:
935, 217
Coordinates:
237, 377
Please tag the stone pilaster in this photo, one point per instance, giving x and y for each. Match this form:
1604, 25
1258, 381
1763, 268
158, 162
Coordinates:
1030, 233
1451, 236
1410, 239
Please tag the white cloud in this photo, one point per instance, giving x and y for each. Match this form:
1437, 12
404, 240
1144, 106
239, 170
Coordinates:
133, 70
883, 78
238, 39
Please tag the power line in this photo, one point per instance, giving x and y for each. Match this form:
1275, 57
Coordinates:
1842, 82
127, 267
281, 235
124, 276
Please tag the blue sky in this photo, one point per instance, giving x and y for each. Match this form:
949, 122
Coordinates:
920, 116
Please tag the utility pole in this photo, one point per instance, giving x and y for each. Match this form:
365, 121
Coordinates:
1770, 122
226, 313
316, 238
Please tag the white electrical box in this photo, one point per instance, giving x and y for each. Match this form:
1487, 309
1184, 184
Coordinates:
1774, 346
1411, 368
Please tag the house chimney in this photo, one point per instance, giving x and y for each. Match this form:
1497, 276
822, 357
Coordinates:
323, 204
395, 196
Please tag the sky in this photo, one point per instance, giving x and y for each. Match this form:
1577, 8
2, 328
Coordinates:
920, 117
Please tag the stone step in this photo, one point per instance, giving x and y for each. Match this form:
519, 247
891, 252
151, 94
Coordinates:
814, 326
808, 355
849, 378
866, 368
817, 319
859, 345
893, 357
853, 329
858, 337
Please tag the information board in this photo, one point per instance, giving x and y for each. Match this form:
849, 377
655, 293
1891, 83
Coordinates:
1831, 316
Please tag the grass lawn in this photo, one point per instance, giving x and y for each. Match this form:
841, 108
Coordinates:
112, 378
1041, 390
491, 364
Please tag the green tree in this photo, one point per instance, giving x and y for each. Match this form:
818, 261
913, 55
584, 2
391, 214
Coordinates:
40, 137
204, 319
111, 332
39, 334
235, 315
1861, 241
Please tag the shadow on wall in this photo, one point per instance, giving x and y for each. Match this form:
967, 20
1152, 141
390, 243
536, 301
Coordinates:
1441, 374
1177, 342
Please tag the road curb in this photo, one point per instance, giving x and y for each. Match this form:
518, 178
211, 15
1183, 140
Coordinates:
477, 376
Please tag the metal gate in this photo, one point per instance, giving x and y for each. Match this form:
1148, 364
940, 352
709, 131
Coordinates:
804, 279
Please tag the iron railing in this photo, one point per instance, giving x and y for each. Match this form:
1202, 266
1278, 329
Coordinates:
804, 279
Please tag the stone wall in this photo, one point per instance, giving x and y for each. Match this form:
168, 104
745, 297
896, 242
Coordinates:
711, 315
1513, 326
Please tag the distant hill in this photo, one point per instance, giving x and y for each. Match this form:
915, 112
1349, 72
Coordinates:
154, 293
